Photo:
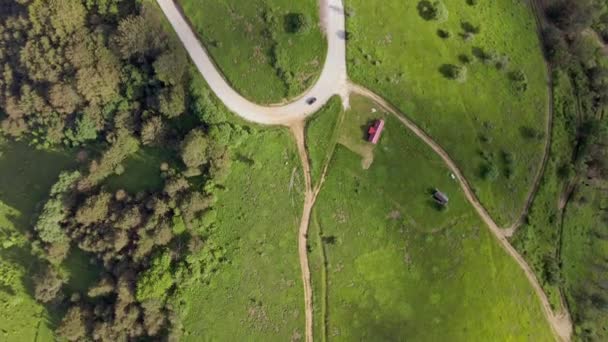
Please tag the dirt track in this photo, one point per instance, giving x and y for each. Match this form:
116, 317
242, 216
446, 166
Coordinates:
560, 323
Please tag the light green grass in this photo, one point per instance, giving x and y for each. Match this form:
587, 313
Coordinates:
249, 43
400, 268
321, 136
26, 175
396, 53
257, 293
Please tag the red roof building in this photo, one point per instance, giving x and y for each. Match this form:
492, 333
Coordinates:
374, 131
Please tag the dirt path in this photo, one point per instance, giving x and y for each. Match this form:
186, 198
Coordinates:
297, 130
560, 322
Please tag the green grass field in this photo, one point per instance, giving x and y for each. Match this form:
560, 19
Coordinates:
26, 175
257, 292
254, 48
482, 121
321, 136
400, 268
538, 240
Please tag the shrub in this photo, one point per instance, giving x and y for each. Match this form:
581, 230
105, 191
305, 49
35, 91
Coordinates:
454, 72
488, 171
467, 27
443, 34
296, 23
464, 59
435, 10
519, 80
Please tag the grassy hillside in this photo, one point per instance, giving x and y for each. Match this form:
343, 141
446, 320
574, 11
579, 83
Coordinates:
257, 292
397, 264
454, 77
256, 46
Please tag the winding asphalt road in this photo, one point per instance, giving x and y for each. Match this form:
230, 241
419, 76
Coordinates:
332, 81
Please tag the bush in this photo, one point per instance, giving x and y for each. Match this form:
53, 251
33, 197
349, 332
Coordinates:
443, 34
520, 80
435, 10
454, 72
296, 23
489, 171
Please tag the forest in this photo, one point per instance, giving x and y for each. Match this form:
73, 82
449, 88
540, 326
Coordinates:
104, 79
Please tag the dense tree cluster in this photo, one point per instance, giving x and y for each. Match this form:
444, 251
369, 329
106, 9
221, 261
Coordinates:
144, 243
72, 69
104, 73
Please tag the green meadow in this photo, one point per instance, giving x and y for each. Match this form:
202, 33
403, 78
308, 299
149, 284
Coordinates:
266, 52
454, 76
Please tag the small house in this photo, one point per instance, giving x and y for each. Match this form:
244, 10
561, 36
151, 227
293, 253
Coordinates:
374, 131
440, 197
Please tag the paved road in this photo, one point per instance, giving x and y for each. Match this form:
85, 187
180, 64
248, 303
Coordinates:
332, 81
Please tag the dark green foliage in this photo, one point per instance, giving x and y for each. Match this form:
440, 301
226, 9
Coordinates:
74, 326
443, 34
572, 16
77, 72
519, 79
94, 209
194, 149
555, 46
47, 285
54, 211
435, 10
454, 72
489, 171
65, 76
296, 23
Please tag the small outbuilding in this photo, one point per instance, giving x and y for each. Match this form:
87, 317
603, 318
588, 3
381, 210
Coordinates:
440, 197
375, 131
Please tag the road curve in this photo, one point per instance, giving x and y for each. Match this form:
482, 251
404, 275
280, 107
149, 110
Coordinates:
332, 81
